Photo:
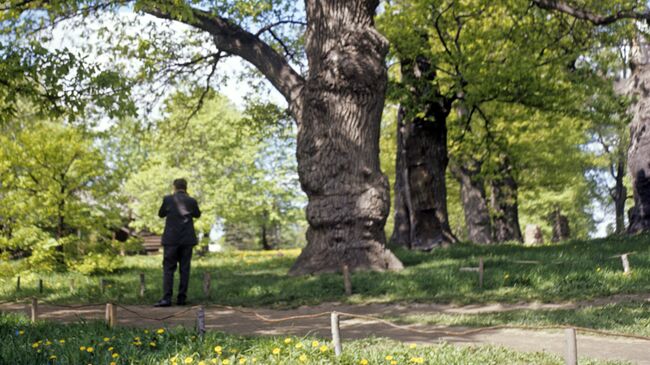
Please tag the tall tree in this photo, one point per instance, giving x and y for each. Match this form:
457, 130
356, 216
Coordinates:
622, 15
337, 107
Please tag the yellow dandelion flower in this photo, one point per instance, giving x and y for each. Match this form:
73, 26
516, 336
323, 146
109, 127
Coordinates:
417, 360
315, 344
242, 360
324, 348
303, 358
394, 362
146, 332
136, 339
82, 348
90, 349
160, 331
21, 332
152, 344
113, 363
188, 360
254, 360
61, 341
225, 362
35, 345
106, 339
389, 357
287, 340
52, 357
598, 269
299, 345
363, 362
202, 362
218, 349
110, 348
412, 346
276, 351
115, 355
214, 361
48, 343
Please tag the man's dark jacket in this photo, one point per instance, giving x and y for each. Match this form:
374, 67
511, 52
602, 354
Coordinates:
180, 209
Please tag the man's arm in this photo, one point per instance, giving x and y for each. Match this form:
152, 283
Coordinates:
162, 212
196, 212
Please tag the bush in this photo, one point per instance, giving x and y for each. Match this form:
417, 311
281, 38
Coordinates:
96, 263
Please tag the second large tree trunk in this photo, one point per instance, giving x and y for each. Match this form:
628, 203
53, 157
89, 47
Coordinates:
474, 201
338, 140
505, 208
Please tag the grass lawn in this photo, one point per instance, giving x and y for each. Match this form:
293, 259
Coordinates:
576, 270
92, 343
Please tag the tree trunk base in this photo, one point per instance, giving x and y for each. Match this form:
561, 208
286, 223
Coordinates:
327, 253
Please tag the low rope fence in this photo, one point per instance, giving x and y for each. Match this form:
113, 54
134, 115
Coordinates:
335, 316
112, 317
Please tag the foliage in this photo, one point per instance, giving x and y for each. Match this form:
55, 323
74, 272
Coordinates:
238, 167
572, 271
55, 194
85, 342
522, 81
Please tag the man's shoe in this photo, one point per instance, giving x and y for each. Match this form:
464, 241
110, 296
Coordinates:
163, 303
181, 302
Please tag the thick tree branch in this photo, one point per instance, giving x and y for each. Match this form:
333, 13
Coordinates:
233, 39
594, 18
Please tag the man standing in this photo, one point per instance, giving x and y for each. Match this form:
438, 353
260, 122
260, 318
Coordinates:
178, 240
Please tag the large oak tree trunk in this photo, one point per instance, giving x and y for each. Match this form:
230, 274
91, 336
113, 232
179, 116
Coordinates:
338, 139
474, 201
505, 209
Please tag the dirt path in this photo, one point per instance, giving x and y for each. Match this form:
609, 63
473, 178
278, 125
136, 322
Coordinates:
243, 321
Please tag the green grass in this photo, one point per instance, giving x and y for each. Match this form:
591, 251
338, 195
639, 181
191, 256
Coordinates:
629, 318
28, 344
572, 271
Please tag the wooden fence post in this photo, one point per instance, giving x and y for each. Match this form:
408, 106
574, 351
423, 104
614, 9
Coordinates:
206, 284
480, 272
571, 355
111, 315
336, 334
200, 321
18, 283
626, 264
142, 285
34, 309
40, 286
347, 282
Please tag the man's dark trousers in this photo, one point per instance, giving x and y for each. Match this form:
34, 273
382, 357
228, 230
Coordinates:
173, 256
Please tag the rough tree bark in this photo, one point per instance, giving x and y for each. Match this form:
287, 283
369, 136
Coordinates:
505, 209
338, 139
421, 217
338, 109
474, 201
639, 151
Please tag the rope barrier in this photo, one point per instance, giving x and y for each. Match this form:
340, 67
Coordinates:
376, 319
157, 319
492, 328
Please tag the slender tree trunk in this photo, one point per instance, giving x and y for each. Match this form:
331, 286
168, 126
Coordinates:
338, 139
474, 200
619, 195
403, 235
264, 239
505, 209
